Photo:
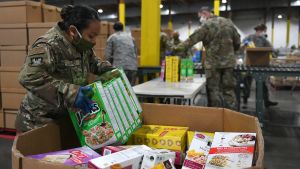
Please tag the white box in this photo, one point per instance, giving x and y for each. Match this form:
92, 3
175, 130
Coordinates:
154, 157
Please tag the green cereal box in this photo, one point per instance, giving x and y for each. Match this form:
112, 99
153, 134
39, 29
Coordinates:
183, 69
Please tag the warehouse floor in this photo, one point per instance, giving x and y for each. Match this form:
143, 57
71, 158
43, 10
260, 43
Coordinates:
281, 132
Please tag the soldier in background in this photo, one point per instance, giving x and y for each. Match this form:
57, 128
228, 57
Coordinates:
121, 51
221, 40
56, 69
260, 40
165, 45
175, 38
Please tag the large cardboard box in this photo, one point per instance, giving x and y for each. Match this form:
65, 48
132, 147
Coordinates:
20, 12
12, 56
100, 53
12, 100
1, 119
53, 137
111, 28
104, 28
101, 41
259, 56
35, 30
9, 78
50, 13
136, 33
10, 118
13, 34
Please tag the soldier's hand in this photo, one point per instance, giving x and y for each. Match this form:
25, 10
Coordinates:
105, 67
83, 99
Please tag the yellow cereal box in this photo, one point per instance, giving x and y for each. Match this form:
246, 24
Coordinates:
168, 69
164, 137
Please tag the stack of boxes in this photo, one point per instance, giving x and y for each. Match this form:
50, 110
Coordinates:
172, 68
21, 23
136, 34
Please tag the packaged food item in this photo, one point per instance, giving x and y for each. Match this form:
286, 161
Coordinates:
164, 165
190, 137
162, 70
231, 150
161, 137
183, 70
113, 149
129, 158
169, 69
175, 69
197, 154
157, 156
190, 70
115, 112
72, 157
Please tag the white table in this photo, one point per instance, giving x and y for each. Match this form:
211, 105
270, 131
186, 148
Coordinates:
182, 90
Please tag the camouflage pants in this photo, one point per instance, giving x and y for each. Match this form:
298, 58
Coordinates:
221, 88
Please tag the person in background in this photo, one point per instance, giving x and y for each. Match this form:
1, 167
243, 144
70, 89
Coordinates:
175, 38
121, 51
260, 40
165, 45
221, 40
56, 69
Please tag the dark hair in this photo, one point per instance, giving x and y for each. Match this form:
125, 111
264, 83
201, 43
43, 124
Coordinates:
78, 15
260, 27
118, 26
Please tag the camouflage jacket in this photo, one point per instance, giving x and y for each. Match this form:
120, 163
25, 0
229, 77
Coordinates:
121, 50
220, 39
52, 73
259, 41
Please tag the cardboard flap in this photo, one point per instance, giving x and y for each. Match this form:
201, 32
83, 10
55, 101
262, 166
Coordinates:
196, 118
41, 25
19, 3
40, 140
49, 7
13, 48
13, 26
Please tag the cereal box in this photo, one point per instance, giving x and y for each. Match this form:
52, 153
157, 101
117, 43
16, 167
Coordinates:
168, 164
73, 157
183, 70
169, 69
130, 158
164, 137
198, 151
154, 157
175, 69
231, 150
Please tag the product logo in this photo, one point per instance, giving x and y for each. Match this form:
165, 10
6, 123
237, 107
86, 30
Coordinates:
77, 156
83, 117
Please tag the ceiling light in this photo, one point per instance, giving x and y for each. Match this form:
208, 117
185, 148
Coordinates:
279, 16
161, 6
100, 10
224, 1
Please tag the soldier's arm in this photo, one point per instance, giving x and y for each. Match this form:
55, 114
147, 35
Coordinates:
36, 77
109, 50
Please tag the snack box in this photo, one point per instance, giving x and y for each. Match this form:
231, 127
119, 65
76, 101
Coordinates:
169, 69
179, 156
231, 150
164, 165
183, 70
161, 137
157, 156
130, 158
198, 151
72, 157
190, 137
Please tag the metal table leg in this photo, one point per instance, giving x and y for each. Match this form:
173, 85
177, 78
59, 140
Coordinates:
259, 97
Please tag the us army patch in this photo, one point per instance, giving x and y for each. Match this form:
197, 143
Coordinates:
36, 61
36, 51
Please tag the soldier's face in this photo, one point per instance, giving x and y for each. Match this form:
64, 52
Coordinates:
91, 32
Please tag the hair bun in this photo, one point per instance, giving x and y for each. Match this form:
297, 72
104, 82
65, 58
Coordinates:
66, 11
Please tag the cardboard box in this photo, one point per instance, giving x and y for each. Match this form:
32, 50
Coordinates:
20, 12
104, 28
101, 41
9, 119
1, 119
9, 79
100, 53
111, 28
136, 33
78, 157
259, 56
11, 100
162, 137
35, 30
13, 56
13, 34
130, 158
54, 137
50, 13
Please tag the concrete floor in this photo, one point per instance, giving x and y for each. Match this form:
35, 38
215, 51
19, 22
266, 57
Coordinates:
281, 132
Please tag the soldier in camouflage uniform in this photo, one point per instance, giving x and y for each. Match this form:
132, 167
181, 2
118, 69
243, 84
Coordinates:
165, 45
260, 40
221, 40
121, 51
56, 68
175, 39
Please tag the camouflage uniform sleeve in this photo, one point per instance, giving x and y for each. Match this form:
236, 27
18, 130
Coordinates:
36, 77
236, 39
109, 50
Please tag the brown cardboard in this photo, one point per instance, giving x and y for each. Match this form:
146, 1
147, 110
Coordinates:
13, 34
20, 12
35, 30
10, 80
101, 41
10, 118
100, 53
104, 28
50, 13
111, 28
197, 118
1, 119
12, 56
259, 56
11, 100
136, 33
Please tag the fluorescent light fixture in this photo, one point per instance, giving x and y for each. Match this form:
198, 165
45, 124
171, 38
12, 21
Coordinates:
224, 1
279, 16
295, 3
166, 12
100, 10
161, 6
223, 8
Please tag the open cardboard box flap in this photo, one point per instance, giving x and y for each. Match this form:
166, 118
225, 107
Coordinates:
53, 137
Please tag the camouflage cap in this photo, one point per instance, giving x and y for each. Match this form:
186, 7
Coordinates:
205, 8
